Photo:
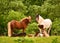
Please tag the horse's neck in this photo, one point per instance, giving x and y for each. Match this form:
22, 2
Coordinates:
40, 19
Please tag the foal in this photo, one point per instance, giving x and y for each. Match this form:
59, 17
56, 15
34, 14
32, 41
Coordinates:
18, 25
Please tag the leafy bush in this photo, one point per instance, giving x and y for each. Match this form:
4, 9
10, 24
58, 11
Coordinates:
14, 15
18, 6
17, 9
56, 27
32, 28
33, 2
33, 10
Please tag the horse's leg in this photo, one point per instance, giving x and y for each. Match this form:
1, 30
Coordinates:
45, 33
9, 29
24, 34
49, 30
24, 31
24, 28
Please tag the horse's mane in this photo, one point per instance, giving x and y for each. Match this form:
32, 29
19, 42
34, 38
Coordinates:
25, 20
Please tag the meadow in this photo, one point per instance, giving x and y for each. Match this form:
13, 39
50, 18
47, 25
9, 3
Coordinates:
51, 39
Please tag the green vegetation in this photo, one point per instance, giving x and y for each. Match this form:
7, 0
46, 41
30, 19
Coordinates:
52, 39
18, 9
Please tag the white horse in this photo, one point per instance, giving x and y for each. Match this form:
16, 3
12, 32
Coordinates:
44, 23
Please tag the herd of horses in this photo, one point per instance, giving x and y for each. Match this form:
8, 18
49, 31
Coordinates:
43, 25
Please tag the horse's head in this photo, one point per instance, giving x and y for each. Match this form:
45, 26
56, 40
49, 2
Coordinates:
37, 17
29, 18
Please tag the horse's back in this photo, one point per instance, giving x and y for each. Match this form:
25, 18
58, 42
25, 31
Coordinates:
13, 21
17, 24
46, 23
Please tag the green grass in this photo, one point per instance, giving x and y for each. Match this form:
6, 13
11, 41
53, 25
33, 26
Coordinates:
51, 39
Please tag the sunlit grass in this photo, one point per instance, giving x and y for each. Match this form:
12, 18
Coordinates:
51, 39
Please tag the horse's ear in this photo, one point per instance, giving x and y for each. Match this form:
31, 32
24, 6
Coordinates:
37, 15
29, 17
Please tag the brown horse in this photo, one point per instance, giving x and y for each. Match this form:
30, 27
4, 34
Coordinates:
18, 25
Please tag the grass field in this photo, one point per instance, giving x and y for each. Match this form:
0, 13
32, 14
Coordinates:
51, 39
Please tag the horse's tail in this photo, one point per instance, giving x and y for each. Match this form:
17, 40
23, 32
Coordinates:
9, 29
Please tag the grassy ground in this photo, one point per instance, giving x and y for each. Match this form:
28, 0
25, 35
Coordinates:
51, 39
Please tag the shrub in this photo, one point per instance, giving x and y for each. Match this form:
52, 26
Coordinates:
32, 28
56, 27
14, 15
33, 10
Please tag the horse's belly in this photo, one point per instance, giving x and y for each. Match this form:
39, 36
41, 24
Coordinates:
18, 26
